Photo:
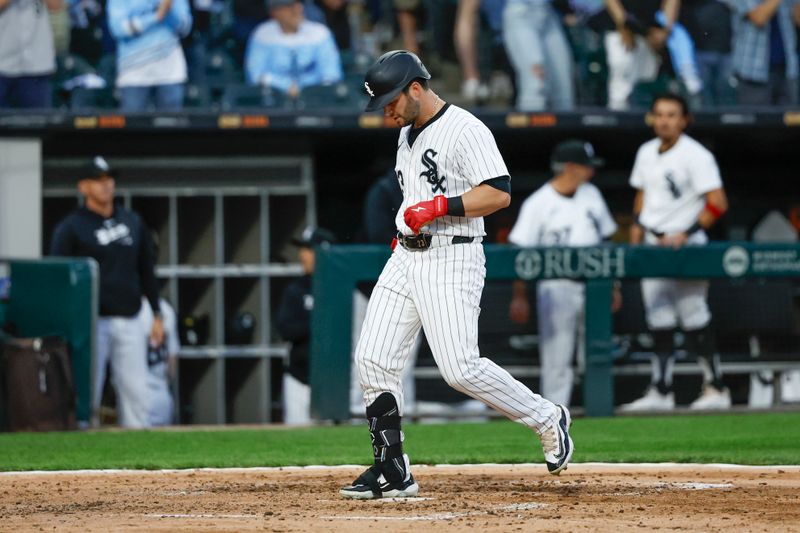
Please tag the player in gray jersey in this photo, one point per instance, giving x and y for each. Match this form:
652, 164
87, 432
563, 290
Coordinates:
452, 174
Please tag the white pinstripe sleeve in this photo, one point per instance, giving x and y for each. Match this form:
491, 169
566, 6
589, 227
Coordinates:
479, 157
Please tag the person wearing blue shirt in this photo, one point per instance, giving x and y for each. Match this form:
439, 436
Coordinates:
289, 52
151, 67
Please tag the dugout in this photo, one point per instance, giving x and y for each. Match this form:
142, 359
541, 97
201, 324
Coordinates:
284, 170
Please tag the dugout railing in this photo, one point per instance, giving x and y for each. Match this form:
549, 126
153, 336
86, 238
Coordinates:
56, 296
339, 268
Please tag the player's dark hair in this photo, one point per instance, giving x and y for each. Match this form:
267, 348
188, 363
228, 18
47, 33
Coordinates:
671, 97
422, 81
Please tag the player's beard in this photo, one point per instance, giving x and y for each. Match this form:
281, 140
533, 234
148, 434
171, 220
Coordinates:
410, 113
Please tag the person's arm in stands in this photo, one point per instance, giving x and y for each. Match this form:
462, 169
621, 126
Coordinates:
619, 16
763, 13
4, 4
123, 24
179, 17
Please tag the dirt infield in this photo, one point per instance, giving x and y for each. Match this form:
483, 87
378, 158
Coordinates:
488, 498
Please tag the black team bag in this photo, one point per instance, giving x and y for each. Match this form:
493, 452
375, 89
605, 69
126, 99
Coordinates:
37, 384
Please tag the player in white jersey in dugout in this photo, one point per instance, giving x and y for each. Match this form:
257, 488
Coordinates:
565, 211
679, 195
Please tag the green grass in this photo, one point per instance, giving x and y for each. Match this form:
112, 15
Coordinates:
756, 439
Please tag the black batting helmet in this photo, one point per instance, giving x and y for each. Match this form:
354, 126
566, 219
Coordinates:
390, 74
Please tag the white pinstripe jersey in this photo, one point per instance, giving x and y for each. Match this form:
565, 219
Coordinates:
451, 154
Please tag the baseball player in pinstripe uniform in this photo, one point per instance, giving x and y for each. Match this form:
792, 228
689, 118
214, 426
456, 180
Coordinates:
452, 175
565, 211
679, 195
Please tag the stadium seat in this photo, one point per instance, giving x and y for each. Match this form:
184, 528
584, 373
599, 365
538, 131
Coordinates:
340, 96
83, 99
238, 96
107, 67
197, 96
645, 91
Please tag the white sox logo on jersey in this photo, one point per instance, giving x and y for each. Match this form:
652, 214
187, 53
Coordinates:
432, 172
674, 190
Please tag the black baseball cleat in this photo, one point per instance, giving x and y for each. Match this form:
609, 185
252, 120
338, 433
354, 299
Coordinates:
557, 443
372, 485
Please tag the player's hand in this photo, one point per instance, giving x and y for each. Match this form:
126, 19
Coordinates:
157, 332
616, 300
520, 309
423, 213
636, 235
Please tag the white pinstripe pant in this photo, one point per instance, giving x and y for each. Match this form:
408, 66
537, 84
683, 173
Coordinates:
439, 289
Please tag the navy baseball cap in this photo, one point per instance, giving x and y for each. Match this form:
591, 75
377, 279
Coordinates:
575, 151
314, 237
96, 168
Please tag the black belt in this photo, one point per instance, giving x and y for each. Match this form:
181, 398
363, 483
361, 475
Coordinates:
659, 234
423, 241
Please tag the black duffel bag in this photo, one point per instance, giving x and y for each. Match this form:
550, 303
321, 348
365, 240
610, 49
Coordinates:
38, 388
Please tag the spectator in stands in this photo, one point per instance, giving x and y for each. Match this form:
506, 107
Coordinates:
294, 325
247, 15
465, 36
289, 53
407, 22
89, 31
61, 27
151, 66
27, 55
118, 240
765, 58
334, 13
162, 363
540, 54
644, 30
709, 24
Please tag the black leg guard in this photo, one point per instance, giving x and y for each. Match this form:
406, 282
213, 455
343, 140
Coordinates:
702, 343
387, 438
664, 361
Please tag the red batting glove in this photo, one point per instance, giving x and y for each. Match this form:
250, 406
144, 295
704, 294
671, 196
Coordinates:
394, 244
423, 213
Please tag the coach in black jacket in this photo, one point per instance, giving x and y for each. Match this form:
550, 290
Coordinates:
121, 244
